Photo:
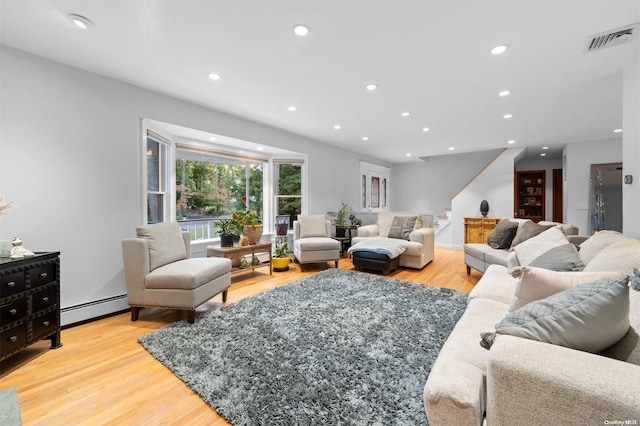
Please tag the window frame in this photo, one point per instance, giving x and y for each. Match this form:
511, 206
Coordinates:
166, 170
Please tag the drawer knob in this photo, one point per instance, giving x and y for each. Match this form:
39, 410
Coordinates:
46, 323
13, 311
45, 299
43, 275
11, 284
13, 339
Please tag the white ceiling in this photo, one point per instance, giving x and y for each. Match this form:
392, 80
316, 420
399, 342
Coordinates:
430, 58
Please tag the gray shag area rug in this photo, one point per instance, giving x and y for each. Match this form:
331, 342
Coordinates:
9, 408
337, 348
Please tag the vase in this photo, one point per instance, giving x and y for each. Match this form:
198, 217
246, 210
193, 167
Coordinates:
252, 234
484, 208
280, 264
226, 240
5, 248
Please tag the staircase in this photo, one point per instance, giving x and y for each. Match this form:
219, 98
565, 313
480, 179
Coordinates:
442, 229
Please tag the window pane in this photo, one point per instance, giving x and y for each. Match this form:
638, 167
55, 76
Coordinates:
153, 165
375, 192
154, 208
288, 178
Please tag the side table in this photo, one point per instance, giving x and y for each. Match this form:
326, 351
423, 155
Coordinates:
239, 251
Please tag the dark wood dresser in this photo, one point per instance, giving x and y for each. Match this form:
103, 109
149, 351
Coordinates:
29, 302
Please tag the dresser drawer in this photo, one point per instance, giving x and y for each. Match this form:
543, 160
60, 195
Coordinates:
45, 325
11, 284
13, 339
44, 299
13, 311
41, 275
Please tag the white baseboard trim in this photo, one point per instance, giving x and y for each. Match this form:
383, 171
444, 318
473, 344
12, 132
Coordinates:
95, 309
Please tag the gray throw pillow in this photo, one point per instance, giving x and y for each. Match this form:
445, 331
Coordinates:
561, 258
589, 317
528, 230
402, 226
503, 234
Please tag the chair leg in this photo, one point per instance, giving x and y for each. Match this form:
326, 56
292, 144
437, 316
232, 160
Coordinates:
468, 270
336, 264
191, 316
224, 296
135, 311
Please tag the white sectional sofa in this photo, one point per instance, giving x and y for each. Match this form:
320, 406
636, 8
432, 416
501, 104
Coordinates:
419, 245
521, 381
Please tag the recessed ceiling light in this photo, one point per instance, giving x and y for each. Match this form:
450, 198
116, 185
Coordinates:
545, 147
617, 130
371, 87
292, 108
544, 154
425, 129
365, 138
337, 127
408, 154
499, 49
406, 114
213, 138
504, 93
214, 76
451, 148
80, 21
511, 142
508, 115
300, 30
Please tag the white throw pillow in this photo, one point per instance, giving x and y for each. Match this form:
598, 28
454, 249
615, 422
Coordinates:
165, 241
537, 283
312, 225
527, 251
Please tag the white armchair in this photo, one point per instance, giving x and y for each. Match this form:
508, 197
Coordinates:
312, 242
160, 272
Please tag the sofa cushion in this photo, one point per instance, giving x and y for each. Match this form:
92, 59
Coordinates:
165, 243
595, 243
316, 244
402, 226
537, 283
385, 219
623, 255
188, 274
528, 229
496, 284
313, 225
589, 317
503, 234
567, 229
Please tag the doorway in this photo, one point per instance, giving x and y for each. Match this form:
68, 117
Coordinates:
606, 197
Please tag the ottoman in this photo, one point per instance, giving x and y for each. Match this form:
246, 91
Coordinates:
377, 256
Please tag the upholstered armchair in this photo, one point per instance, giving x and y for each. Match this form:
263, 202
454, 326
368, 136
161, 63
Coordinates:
312, 242
160, 272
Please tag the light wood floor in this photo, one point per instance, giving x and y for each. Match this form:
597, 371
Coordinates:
101, 375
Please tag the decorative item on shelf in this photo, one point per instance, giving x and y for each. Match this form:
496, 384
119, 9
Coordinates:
5, 245
225, 226
244, 241
244, 264
18, 252
280, 259
484, 208
340, 220
248, 224
355, 221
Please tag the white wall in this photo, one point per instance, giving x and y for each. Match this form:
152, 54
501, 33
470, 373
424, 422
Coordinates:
577, 193
547, 164
429, 186
631, 145
494, 184
69, 159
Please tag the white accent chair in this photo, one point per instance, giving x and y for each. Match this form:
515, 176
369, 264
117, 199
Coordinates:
160, 272
312, 242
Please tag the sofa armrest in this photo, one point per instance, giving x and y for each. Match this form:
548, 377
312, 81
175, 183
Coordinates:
422, 235
135, 256
368, 231
530, 382
577, 239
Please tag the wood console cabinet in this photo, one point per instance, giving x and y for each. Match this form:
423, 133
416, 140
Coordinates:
29, 302
529, 195
477, 229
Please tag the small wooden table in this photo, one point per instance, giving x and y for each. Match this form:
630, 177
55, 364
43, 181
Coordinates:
239, 251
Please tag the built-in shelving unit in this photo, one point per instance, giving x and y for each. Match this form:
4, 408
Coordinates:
529, 195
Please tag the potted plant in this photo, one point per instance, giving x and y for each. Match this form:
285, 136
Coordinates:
248, 224
226, 227
340, 220
280, 259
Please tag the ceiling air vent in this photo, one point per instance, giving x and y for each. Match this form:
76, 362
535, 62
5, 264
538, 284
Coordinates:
611, 38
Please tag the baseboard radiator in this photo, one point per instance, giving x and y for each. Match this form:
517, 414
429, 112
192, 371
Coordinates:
98, 308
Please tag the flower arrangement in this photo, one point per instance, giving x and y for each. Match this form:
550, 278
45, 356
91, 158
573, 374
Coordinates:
5, 205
